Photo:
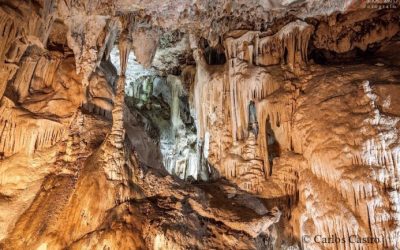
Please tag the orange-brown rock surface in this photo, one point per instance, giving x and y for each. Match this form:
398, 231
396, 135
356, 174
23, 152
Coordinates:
227, 124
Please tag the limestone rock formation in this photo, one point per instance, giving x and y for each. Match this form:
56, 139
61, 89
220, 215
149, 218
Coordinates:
227, 124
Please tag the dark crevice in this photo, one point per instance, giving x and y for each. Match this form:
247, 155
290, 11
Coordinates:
274, 149
327, 57
213, 55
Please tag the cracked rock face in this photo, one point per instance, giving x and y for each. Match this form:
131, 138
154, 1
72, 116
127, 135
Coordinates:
227, 124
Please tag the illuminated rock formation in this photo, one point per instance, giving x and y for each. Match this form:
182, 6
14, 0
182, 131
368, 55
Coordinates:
199, 125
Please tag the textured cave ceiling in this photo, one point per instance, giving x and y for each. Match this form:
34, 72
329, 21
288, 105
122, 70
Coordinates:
201, 124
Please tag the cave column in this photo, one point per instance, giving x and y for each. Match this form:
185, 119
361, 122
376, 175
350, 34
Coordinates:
125, 44
201, 66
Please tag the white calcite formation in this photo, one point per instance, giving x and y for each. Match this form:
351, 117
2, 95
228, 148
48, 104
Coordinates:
178, 144
245, 124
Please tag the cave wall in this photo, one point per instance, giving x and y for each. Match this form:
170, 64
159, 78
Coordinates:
236, 138
308, 143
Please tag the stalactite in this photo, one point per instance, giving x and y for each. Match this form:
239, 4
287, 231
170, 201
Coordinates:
241, 85
24, 76
288, 46
319, 141
19, 30
84, 45
176, 91
7, 72
24, 133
